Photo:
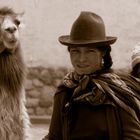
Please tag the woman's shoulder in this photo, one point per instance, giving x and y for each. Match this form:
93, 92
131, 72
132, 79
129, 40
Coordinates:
132, 82
125, 74
62, 90
63, 94
122, 71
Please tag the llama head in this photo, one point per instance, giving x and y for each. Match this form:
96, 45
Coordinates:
10, 23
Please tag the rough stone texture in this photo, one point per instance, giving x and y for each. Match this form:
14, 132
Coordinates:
29, 84
40, 85
34, 93
31, 111
47, 76
37, 83
32, 102
46, 98
40, 111
49, 110
57, 82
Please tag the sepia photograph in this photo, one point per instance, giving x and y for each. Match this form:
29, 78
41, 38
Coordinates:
69, 70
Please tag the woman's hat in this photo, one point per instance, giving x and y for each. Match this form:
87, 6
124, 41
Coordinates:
136, 55
88, 28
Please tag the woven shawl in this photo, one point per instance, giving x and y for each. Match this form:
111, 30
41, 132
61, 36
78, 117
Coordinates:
106, 87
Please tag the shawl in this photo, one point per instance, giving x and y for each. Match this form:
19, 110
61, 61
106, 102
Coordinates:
106, 88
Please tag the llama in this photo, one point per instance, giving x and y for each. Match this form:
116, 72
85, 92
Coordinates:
14, 119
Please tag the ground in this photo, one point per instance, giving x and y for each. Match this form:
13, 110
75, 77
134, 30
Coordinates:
38, 131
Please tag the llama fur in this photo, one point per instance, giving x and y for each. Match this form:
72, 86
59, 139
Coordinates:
14, 119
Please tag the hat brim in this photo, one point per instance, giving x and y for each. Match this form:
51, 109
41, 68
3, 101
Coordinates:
65, 40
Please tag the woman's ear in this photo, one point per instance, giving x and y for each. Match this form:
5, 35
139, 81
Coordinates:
103, 52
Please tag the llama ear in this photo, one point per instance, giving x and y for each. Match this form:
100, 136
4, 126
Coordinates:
20, 18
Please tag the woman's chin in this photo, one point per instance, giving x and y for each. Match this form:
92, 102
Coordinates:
82, 72
85, 71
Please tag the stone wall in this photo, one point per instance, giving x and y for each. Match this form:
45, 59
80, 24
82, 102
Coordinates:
40, 87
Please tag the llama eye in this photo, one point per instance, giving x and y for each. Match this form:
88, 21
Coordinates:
17, 22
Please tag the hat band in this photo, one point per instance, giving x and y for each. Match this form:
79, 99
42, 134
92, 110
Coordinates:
88, 40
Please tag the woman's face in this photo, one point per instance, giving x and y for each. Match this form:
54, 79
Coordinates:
86, 60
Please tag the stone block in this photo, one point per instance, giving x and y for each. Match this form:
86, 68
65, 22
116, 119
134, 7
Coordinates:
46, 97
32, 102
40, 111
37, 83
33, 93
57, 82
46, 76
28, 84
31, 111
49, 110
60, 72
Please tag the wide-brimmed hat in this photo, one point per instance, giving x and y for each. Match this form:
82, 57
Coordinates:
136, 55
88, 28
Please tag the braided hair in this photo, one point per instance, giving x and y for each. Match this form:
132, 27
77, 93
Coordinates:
107, 59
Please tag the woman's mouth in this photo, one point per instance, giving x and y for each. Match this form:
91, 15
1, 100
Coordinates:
82, 66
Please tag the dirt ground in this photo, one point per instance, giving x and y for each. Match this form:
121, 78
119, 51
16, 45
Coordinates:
38, 131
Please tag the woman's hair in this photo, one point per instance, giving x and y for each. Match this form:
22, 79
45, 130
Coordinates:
107, 59
134, 71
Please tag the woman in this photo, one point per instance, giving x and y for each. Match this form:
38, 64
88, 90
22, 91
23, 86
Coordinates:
136, 61
93, 103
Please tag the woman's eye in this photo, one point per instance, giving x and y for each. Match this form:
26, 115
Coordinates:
91, 50
74, 51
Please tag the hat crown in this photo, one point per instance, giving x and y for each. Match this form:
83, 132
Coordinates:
88, 29
88, 26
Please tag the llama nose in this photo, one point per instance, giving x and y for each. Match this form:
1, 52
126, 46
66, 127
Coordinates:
11, 29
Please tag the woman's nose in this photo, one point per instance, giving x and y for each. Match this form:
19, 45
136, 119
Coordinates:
82, 57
